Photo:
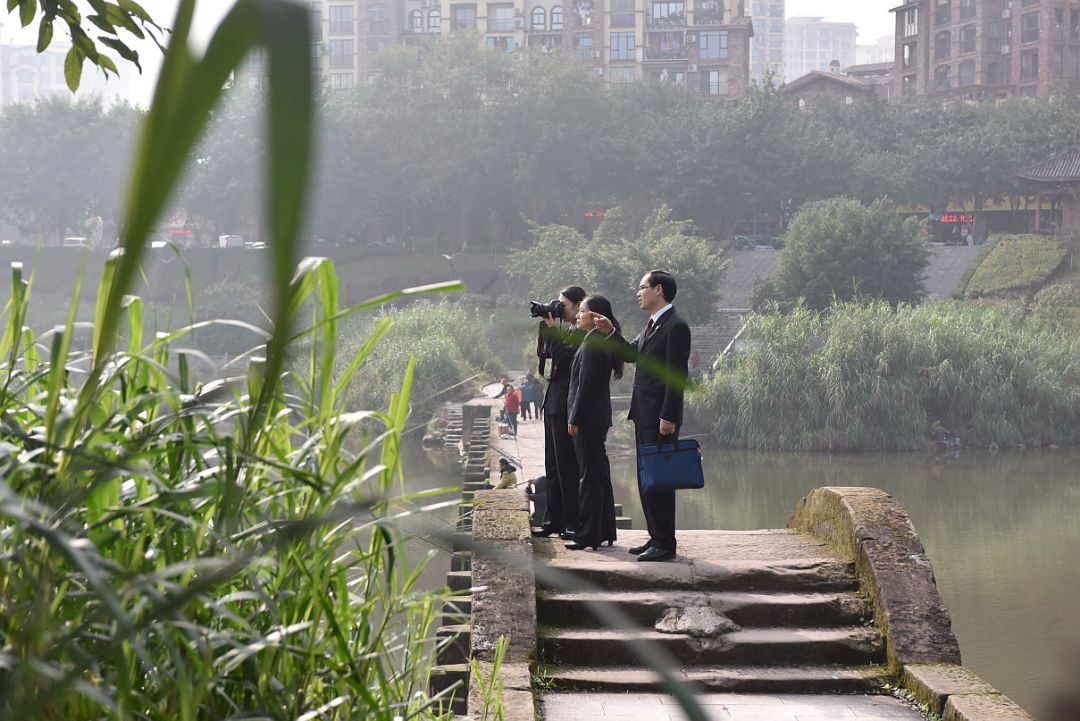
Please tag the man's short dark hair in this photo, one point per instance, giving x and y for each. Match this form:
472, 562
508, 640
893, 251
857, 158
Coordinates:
665, 280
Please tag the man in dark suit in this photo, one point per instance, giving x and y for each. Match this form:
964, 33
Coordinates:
656, 407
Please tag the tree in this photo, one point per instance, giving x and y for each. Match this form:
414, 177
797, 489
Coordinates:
113, 24
64, 162
613, 261
841, 248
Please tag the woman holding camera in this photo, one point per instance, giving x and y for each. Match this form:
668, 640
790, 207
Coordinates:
560, 458
589, 418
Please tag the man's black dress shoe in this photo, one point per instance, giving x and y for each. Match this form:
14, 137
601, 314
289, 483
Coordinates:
543, 533
638, 550
568, 536
656, 554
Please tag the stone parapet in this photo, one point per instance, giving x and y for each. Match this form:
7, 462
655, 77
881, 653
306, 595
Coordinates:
869, 527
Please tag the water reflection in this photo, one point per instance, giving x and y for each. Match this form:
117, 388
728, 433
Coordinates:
1002, 531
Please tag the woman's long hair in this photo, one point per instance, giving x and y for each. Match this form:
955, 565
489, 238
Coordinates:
600, 304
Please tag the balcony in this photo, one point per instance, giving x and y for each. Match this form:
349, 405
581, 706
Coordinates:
666, 54
674, 20
911, 30
501, 25
709, 17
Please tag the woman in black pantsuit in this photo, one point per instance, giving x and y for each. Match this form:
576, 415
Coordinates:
589, 418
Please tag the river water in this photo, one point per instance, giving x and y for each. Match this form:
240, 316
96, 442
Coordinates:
1003, 534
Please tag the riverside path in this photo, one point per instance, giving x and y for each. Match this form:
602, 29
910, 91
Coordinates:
814, 621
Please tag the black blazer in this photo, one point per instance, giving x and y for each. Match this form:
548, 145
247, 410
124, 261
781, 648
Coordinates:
562, 344
668, 343
589, 399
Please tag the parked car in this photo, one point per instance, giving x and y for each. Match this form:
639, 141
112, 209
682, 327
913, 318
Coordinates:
75, 242
230, 241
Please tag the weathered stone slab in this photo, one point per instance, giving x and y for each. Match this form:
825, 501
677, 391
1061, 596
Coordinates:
697, 621
504, 603
869, 526
933, 684
988, 707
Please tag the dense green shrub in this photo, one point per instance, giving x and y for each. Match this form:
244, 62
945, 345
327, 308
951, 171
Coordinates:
840, 248
449, 342
1016, 262
868, 377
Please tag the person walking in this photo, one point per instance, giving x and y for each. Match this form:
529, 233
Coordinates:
526, 399
589, 417
537, 396
560, 458
511, 406
661, 354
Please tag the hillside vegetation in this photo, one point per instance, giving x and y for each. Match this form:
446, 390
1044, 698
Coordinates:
1015, 263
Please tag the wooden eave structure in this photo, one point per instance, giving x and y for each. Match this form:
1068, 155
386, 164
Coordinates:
1057, 178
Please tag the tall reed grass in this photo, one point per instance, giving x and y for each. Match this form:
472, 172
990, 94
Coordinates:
868, 377
175, 551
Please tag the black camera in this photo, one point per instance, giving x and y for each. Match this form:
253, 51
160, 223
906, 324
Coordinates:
553, 308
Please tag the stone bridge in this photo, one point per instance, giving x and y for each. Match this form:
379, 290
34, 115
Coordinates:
821, 619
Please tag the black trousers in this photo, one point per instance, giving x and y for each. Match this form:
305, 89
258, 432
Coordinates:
659, 506
597, 498
561, 468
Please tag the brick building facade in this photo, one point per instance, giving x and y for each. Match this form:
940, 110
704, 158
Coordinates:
986, 49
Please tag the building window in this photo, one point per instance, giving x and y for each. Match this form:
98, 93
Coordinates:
993, 74
911, 22
1028, 3
622, 46
907, 57
583, 47
434, 21
709, 12
1057, 62
556, 18
942, 45
1029, 65
1059, 25
1074, 25
463, 17
416, 22
714, 82
341, 19
907, 85
502, 42
672, 12
622, 13
622, 75
1029, 28
316, 25
941, 77
539, 19
341, 53
967, 9
967, 73
713, 45
341, 81
942, 12
967, 40
500, 18
377, 19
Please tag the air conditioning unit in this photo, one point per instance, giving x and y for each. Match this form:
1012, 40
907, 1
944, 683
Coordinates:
1006, 14
598, 71
519, 23
691, 38
691, 68
1006, 49
595, 54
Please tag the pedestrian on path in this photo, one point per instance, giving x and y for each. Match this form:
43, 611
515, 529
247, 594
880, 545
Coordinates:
589, 418
526, 399
511, 406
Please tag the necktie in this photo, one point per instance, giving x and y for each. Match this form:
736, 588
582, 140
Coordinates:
648, 329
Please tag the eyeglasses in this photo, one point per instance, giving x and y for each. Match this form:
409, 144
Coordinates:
645, 287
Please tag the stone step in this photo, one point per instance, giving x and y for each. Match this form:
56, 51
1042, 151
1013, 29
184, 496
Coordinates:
746, 609
454, 680
724, 679
453, 644
461, 561
614, 569
758, 646
459, 581
623, 523
457, 610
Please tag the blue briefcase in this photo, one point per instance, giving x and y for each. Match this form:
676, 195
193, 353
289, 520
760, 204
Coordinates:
670, 466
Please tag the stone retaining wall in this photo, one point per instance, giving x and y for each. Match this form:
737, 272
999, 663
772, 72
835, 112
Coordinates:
869, 527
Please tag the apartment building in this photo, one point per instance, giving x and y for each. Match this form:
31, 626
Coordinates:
701, 44
881, 51
812, 44
986, 49
27, 76
767, 46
